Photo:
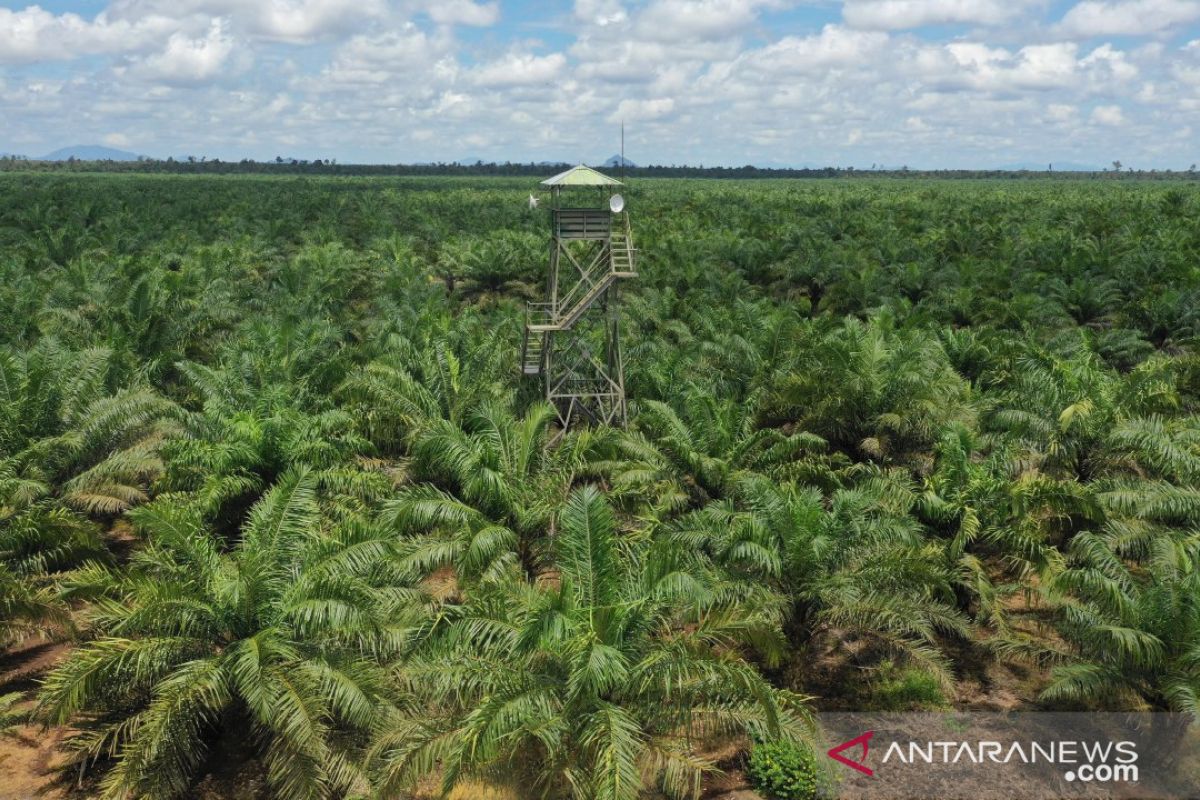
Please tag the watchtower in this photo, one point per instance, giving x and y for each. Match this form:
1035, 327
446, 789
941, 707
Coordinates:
573, 338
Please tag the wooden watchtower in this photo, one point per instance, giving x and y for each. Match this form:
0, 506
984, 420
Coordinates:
573, 338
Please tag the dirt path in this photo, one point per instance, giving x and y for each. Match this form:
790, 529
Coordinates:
30, 757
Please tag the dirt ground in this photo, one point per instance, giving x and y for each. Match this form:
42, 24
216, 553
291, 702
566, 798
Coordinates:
30, 758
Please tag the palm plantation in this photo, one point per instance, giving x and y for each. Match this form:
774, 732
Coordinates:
271, 484
618, 669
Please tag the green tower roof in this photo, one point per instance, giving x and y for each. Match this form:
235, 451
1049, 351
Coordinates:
581, 176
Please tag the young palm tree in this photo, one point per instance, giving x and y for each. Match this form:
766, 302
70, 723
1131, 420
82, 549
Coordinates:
1128, 597
10, 716
28, 608
270, 643
502, 484
680, 349
39, 545
413, 384
859, 569
502, 266
1131, 613
680, 461
872, 392
68, 449
244, 437
973, 501
612, 676
1064, 411
62, 432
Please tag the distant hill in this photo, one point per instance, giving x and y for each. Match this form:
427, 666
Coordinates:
615, 161
89, 152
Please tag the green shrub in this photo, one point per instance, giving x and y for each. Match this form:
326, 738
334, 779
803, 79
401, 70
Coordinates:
905, 690
784, 771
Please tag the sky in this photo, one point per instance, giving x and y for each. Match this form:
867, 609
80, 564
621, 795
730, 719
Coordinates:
923, 83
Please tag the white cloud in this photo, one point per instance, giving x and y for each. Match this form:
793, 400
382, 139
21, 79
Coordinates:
116, 140
1108, 115
1058, 66
601, 13
621, 62
1038, 67
189, 60
697, 82
1060, 112
642, 110
834, 46
391, 57
1185, 65
34, 34
304, 20
521, 69
672, 20
464, 12
281, 20
619, 59
1108, 65
1127, 17
901, 14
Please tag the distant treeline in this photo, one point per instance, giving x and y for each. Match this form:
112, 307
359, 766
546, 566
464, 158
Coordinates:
331, 167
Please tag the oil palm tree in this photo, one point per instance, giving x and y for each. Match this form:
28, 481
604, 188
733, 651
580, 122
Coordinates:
1131, 616
71, 452
270, 643
486, 271
10, 715
1075, 416
39, 546
871, 391
66, 437
491, 491
983, 511
415, 382
613, 675
860, 569
28, 608
1128, 597
682, 460
244, 436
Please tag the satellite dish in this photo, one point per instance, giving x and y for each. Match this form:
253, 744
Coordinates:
533, 201
616, 203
